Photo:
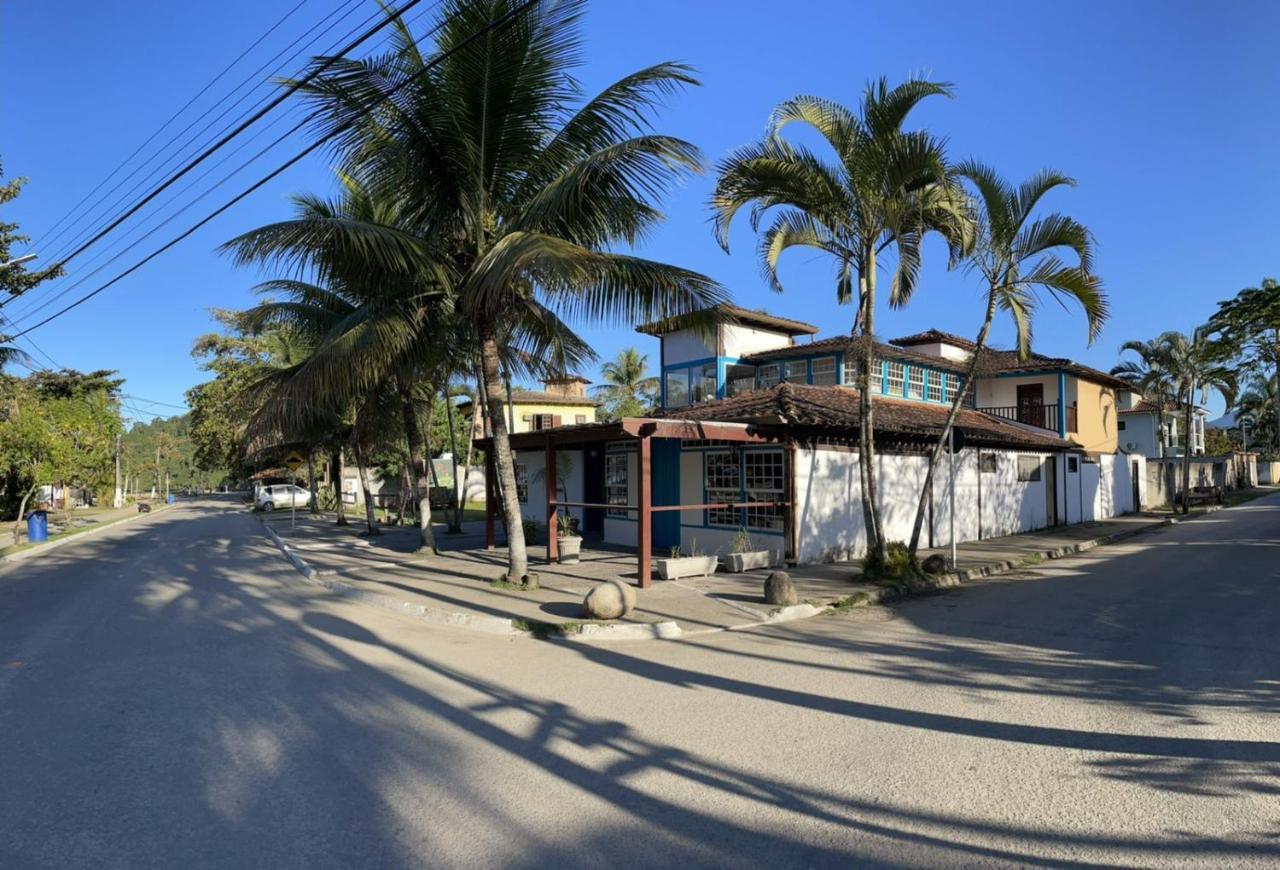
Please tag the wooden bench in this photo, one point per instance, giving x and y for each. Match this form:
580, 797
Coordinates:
1206, 494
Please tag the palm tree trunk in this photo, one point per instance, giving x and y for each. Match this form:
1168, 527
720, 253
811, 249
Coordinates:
421, 486
337, 487
455, 527
941, 443
866, 424
371, 521
1186, 452
311, 479
504, 463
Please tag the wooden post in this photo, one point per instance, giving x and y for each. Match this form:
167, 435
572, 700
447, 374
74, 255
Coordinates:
490, 537
549, 476
644, 526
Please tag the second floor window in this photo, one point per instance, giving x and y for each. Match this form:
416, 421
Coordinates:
952, 387
824, 372
795, 371
893, 379
915, 383
677, 388
935, 386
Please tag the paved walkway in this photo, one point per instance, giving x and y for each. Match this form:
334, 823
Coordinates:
462, 586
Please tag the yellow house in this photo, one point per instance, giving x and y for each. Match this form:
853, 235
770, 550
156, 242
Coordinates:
563, 401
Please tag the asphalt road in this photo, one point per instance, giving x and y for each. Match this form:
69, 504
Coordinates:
172, 694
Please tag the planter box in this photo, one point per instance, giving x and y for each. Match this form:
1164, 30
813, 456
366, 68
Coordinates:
570, 549
736, 563
686, 566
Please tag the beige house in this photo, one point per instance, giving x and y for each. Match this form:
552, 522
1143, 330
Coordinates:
563, 401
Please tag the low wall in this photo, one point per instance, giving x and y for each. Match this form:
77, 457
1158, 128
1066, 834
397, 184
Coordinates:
1232, 471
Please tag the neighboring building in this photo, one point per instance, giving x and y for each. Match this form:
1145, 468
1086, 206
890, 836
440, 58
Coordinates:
562, 402
1140, 427
759, 430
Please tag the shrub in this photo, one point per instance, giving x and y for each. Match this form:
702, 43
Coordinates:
899, 566
531, 531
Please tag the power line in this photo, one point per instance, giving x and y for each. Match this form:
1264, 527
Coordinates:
427, 67
25, 314
254, 118
165, 163
172, 118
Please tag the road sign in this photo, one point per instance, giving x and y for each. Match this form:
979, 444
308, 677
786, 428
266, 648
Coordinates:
294, 460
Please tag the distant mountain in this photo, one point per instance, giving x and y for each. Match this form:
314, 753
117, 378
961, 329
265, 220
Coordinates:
1226, 421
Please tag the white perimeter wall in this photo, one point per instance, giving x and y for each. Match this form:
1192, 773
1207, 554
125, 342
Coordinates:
828, 509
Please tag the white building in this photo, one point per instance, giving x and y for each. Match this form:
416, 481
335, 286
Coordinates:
1145, 430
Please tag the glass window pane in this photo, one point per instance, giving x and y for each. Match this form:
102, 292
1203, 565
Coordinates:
615, 477
915, 383
739, 379
895, 379
795, 371
708, 382
935, 386
769, 375
824, 372
721, 484
677, 388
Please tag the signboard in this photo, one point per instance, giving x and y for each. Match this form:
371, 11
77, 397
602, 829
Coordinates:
294, 460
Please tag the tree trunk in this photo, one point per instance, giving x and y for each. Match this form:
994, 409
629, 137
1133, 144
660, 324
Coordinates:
405, 488
956, 403
370, 520
336, 467
866, 423
504, 464
455, 527
1186, 452
421, 486
22, 509
311, 480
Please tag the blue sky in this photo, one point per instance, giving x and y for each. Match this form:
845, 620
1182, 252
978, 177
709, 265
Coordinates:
1164, 112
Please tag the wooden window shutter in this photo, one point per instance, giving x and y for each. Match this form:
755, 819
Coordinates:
555, 420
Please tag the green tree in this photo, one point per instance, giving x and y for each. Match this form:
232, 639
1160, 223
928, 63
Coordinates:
1248, 325
1018, 257
526, 191
1150, 379
884, 191
1257, 405
628, 389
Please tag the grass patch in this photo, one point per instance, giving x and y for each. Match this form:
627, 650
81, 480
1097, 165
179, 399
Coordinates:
546, 630
1033, 559
850, 602
506, 585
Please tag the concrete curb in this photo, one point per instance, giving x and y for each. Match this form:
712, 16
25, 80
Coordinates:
31, 552
586, 632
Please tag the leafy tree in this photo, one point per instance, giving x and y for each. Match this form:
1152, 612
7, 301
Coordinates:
1257, 404
1150, 379
628, 390
885, 189
524, 191
1018, 257
1218, 442
1248, 328
16, 278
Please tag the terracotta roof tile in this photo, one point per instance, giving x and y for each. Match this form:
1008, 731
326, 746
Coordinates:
934, 336
744, 316
836, 408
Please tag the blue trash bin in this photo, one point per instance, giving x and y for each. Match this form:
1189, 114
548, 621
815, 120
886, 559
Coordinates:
171, 498
37, 527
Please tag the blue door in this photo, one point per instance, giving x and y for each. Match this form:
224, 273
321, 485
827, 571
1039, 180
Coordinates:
666, 491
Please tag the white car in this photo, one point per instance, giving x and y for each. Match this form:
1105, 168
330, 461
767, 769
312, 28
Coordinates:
283, 495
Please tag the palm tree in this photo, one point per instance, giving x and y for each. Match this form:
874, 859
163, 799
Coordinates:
885, 190
1149, 379
526, 191
627, 391
1019, 256
1259, 402
1195, 365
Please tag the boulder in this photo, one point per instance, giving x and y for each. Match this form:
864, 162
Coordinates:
778, 589
609, 600
935, 564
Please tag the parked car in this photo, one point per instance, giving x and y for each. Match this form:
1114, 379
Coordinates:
283, 495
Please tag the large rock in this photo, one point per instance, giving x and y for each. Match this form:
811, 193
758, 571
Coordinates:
935, 564
611, 599
778, 589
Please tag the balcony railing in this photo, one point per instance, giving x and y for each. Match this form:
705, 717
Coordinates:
1041, 416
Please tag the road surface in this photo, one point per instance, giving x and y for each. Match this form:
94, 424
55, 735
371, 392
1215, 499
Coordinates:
172, 694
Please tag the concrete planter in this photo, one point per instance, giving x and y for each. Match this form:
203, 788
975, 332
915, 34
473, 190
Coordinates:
570, 549
686, 566
736, 563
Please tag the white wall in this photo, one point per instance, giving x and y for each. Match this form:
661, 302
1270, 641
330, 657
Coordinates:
741, 340
1003, 392
946, 351
684, 346
534, 460
1142, 431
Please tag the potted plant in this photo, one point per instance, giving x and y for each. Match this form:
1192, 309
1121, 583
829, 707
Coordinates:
744, 556
696, 564
568, 541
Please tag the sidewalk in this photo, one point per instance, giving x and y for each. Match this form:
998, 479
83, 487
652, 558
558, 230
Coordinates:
460, 587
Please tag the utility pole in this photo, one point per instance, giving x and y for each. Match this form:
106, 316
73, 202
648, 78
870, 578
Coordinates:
118, 501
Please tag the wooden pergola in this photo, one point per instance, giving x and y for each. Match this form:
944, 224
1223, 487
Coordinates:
642, 430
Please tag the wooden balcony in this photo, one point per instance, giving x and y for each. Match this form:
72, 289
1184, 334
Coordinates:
1040, 416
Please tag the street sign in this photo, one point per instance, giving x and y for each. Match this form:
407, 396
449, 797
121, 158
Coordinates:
294, 460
